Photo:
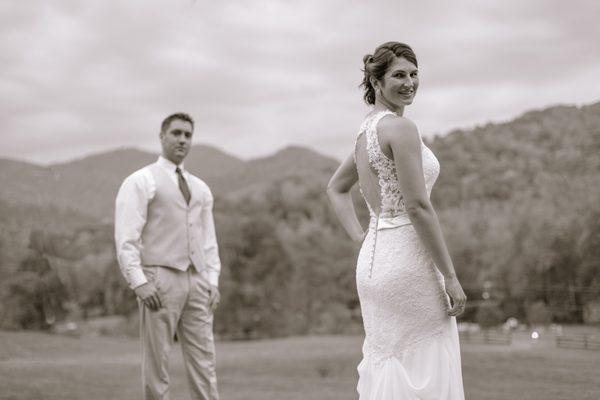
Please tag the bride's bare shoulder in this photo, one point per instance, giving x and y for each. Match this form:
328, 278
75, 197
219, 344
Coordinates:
394, 129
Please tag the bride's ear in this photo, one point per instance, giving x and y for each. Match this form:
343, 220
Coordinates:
374, 83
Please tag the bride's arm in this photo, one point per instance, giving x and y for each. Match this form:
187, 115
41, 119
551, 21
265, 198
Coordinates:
403, 139
338, 191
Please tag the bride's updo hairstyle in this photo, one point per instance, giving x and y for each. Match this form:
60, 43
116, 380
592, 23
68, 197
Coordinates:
377, 64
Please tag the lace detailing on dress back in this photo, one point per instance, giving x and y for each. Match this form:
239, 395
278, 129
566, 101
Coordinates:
392, 203
391, 196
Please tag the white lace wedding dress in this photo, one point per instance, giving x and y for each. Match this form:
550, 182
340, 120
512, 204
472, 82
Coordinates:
411, 349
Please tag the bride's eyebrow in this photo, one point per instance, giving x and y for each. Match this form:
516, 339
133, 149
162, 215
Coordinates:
408, 71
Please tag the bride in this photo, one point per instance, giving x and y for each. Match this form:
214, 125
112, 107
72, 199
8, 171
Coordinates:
407, 286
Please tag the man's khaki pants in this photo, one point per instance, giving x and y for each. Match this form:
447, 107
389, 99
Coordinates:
185, 311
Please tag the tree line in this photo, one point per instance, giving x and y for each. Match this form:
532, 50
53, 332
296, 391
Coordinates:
517, 202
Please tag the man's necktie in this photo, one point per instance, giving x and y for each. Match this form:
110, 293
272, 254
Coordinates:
183, 186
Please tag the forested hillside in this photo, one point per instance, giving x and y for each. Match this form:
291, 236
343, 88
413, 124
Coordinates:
517, 201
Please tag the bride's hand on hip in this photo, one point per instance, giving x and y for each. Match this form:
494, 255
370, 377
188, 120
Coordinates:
457, 295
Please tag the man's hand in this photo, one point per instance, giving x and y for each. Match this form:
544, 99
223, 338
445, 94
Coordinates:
457, 295
214, 297
149, 295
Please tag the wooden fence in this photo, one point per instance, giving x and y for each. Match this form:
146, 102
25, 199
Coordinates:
578, 341
487, 337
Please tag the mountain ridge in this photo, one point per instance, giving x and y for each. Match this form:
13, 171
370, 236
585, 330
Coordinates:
489, 161
69, 185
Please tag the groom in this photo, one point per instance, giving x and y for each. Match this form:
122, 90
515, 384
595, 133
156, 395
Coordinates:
167, 251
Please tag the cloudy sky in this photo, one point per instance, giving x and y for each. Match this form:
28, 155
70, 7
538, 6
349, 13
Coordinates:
81, 77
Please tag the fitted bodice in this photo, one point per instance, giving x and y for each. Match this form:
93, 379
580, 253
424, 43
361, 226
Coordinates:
391, 201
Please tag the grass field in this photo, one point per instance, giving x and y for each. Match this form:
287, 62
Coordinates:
39, 366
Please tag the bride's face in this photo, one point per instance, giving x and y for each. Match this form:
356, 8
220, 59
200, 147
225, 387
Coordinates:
399, 84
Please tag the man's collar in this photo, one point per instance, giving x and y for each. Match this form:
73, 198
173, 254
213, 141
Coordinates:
168, 164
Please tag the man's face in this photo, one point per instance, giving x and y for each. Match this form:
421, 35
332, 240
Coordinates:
176, 140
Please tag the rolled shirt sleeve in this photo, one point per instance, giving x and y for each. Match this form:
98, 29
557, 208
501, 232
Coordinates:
131, 209
211, 249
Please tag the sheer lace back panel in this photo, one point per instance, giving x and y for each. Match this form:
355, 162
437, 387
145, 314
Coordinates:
377, 172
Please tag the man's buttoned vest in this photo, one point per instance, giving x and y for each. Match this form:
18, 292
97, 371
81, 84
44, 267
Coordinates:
172, 236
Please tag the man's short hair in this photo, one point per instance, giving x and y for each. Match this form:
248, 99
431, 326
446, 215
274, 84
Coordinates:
179, 115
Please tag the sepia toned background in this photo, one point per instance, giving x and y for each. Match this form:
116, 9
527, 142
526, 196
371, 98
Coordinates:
509, 102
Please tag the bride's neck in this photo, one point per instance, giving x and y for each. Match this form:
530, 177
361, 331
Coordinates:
383, 104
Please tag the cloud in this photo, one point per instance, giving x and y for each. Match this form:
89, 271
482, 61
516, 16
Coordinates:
81, 77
